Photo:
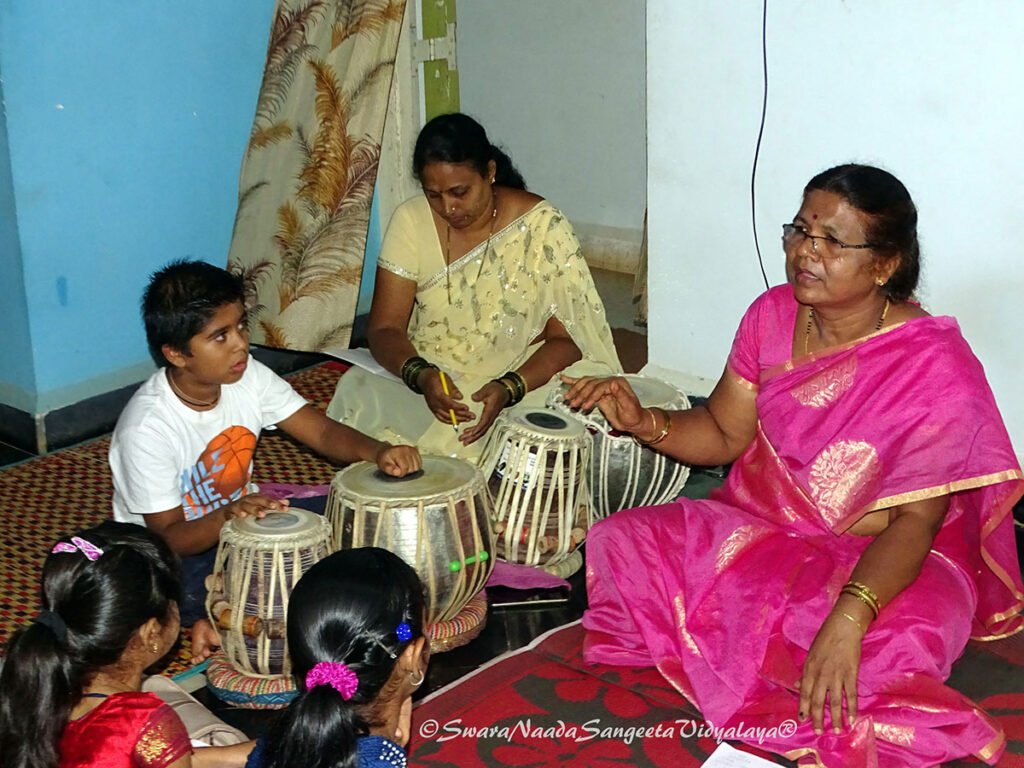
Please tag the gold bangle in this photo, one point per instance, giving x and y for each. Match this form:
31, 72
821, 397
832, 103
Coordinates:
508, 390
859, 625
864, 592
864, 598
521, 381
654, 426
865, 589
857, 592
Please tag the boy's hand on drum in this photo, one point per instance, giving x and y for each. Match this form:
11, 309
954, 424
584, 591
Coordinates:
398, 460
494, 397
442, 404
613, 396
254, 505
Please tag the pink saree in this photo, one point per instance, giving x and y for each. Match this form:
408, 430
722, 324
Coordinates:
725, 595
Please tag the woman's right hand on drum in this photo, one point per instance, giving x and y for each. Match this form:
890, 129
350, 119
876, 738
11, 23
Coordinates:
254, 505
440, 404
613, 396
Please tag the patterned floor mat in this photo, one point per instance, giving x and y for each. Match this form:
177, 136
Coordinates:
50, 496
544, 706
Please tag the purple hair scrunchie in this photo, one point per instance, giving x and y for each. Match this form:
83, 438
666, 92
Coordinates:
336, 674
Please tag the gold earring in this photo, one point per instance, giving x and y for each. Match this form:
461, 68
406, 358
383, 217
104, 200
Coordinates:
154, 648
880, 281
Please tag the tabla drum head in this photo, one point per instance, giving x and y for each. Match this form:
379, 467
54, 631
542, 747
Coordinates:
286, 523
544, 422
440, 475
652, 392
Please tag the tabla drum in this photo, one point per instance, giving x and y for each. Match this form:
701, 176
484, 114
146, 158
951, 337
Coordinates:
536, 464
624, 474
258, 563
436, 519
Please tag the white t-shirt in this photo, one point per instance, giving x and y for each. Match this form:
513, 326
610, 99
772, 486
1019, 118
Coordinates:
164, 454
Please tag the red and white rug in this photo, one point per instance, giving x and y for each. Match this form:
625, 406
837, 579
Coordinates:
543, 706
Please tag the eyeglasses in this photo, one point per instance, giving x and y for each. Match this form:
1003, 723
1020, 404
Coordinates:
793, 235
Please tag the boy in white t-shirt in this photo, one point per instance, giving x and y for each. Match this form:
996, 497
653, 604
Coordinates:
181, 454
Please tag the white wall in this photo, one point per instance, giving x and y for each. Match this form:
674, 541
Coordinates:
930, 91
561, 86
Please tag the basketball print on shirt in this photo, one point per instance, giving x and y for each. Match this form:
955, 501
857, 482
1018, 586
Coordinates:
220, 475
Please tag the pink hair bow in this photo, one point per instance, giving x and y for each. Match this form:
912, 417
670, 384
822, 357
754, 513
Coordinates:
87, 548
335, 674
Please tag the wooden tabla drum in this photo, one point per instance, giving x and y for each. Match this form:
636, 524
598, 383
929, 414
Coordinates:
624, 474
438, 521
536, 464
258, 563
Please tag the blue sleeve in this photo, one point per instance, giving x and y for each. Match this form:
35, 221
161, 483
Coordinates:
378, 752
256, 756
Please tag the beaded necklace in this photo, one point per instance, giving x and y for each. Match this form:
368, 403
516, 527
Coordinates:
487, 246
810, 321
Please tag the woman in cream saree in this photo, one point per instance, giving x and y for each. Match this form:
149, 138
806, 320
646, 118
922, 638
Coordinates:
474, 316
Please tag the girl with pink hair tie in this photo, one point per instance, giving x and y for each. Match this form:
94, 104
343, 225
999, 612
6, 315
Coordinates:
355, 635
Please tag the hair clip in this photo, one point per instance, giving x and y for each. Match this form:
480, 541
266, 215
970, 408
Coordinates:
336, 674
386, 650
404, 634
87, 548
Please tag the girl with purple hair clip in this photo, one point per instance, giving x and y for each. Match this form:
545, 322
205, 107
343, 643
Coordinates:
355, 636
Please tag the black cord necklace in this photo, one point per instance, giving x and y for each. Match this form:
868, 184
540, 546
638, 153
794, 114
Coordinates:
188, 400
810, 321
487, 245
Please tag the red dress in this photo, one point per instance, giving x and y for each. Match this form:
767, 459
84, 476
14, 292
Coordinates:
128, 730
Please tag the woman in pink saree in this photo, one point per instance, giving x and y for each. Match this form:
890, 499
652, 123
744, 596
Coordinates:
864, 532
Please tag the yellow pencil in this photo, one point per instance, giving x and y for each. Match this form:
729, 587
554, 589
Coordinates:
451, 411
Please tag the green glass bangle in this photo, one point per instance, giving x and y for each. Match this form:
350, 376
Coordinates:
510, 388
411, 370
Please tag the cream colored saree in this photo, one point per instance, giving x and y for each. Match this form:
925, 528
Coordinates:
477, 319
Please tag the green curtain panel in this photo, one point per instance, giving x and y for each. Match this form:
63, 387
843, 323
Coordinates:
310, 167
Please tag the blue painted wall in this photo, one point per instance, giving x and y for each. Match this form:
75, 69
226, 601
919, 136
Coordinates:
126, 124
17, 377
373, 244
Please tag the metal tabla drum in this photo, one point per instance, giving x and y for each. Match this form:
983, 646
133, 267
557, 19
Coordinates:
623, 473
536, 464
258, 563
438, 521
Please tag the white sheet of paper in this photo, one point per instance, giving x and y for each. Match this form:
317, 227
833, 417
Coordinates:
730, 757
363, 359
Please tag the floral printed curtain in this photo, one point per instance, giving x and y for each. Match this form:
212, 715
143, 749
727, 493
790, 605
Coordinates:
310, 167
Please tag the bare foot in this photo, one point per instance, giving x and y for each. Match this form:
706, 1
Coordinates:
205, 639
